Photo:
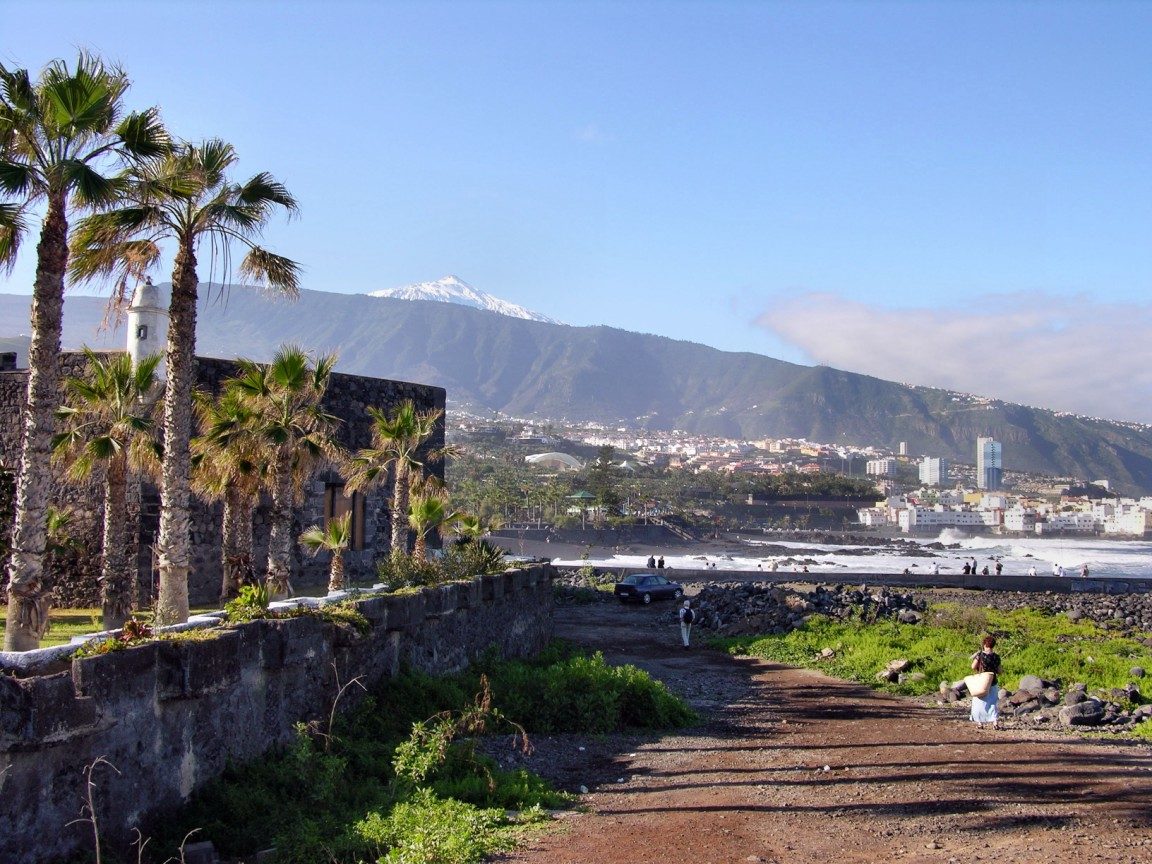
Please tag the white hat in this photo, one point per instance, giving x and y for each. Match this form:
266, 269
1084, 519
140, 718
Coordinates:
687, 603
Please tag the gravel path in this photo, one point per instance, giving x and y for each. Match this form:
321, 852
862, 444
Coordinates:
792, 766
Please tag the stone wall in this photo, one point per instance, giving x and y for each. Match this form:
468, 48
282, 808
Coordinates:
348, 397
169, 715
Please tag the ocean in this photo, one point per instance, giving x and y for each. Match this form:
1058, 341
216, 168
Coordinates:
1105, 558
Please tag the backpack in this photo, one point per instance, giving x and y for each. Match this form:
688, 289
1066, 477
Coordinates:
687, 615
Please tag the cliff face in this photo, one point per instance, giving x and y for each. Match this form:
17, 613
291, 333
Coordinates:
526, 368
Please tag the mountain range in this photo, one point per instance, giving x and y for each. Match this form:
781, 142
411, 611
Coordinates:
547, 371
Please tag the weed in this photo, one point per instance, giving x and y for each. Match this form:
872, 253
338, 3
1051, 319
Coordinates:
432, 829
252, 602
380, 782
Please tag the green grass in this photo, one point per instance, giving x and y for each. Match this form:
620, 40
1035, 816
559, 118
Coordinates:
66, 623
1029, 642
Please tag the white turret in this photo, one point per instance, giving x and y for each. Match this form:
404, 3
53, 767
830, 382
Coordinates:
147, 324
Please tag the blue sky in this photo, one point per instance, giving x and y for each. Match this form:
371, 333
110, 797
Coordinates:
954, 194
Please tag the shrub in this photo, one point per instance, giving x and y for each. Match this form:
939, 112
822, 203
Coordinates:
431, 829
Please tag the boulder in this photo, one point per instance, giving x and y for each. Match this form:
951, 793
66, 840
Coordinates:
1031, 683
899, 666
1027, 707
1050, 696
1088, 713
1075, 697
1136, 671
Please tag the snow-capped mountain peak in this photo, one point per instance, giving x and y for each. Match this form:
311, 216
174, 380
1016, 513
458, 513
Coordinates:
453, 289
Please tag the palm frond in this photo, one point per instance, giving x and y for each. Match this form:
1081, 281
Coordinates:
265, 267
16, 178
92, 187
266, 189
144, 135
12, 228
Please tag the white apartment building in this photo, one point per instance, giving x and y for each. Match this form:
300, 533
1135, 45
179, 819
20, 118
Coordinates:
936, 518
1080, 523
873, 517
881, 467
1020, 519
1135, 522
933, 471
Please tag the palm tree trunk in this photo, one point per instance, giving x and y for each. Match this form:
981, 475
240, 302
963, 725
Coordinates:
280, 537
175, 535
117, 577
400, 509
336, 573
420, 549
28, 599
236, 543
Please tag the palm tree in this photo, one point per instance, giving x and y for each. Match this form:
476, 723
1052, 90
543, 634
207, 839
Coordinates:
57, 136
186, 197
427, 512
230, 464
334, 537
396, 442
297, 432
107, 423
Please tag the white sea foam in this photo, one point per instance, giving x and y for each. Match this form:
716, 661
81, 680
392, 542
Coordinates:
1105, 558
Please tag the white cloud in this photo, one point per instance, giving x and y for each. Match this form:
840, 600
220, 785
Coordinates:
1064, 353
592, 134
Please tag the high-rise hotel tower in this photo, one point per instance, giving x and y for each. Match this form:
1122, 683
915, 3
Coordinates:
989, 470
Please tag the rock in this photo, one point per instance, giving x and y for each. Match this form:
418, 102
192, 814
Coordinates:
1136, 671
1027, 707
1088, 713
908, 616
1050, 696
1031, 683
827, 653
899, 666
1142, 712
1075, 697
1021, 696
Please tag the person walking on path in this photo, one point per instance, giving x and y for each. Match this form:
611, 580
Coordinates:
651, 563
687, 617
660, 563
986, 708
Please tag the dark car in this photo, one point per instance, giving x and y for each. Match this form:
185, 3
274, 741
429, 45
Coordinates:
646, 587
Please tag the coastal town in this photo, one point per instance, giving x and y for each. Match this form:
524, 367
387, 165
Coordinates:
916, 494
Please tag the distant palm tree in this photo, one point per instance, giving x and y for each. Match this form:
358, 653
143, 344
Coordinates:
230, 464
291, 423
427, 512
57, 137
186, 197
107, 424
396, 442
335, 537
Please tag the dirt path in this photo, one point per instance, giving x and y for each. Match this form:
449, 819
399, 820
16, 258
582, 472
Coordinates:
792, 766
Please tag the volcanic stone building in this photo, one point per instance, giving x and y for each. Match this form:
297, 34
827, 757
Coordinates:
348, 397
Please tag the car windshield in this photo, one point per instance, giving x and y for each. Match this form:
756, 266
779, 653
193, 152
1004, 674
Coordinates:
634, 579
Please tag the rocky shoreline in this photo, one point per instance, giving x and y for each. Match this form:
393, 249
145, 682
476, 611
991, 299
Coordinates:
753, 608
